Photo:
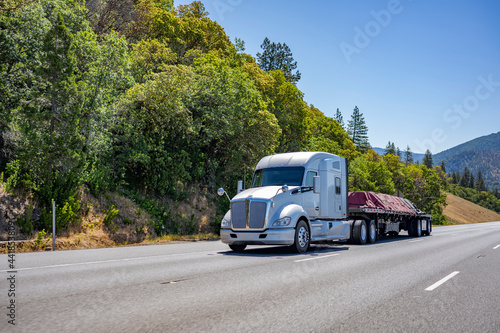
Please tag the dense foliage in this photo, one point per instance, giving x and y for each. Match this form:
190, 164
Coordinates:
142, 96
467, 186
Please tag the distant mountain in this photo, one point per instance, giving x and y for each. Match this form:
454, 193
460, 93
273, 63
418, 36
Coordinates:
416, 157
482, 154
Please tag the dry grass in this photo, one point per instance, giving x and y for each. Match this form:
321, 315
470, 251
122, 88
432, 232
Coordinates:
461, 211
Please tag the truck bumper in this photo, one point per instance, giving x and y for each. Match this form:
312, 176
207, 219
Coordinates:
284, 236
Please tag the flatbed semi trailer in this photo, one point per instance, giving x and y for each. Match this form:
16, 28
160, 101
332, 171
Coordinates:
302, 198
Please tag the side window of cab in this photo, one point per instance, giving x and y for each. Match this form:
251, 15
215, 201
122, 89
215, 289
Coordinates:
310, 178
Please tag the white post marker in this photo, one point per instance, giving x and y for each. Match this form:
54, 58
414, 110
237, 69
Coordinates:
53, 225
443, 280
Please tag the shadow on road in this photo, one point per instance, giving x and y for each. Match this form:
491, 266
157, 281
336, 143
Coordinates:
314, 249
287, 251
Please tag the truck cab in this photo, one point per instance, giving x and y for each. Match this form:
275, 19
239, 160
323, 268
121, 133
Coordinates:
295, 199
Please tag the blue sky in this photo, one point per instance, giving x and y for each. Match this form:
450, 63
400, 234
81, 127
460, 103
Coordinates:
424, 73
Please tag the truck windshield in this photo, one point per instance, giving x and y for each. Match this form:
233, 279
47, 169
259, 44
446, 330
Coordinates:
291, 176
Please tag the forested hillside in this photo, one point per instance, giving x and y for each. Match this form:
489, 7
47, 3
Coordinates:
481, 154
154, 102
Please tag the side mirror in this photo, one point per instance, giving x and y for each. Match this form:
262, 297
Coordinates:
284, 188
221, 192
316, 184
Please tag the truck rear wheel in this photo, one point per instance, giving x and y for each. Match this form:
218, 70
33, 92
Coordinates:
372, 232
428, 228
415, 228
359, 232
238, 247
302, 237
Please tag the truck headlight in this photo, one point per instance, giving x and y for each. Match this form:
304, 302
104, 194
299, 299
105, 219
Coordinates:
225, 223
282, 222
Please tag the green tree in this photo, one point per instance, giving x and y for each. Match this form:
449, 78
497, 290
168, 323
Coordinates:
479, 185
390, 149
203, 123
338, 118
408, 156
472, 181
153, 131
148, 57
466, 177
427, 161
367, 175
326, 134
426, 192
235, 127
358, 131
47, 141
286, 102
187, 33
104, 75
443, 167
278, 56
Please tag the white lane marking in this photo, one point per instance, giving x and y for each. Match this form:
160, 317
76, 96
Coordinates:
496, 247
414, 241
443, 280
330, 255
106, 261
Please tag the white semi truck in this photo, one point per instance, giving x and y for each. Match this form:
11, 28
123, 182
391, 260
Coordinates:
302, 198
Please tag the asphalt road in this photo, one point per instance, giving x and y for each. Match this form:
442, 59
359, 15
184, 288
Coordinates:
446, 282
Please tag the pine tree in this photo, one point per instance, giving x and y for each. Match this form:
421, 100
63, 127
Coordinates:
390, 149
465, 179
455, 178
428, 159
278, 56
443, 167
472, 181
338, 117
408, 156
480, 185
358, 131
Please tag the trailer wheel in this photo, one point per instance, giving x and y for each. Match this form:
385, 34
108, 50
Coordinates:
372, 232
415, 228
238, 247
428, 228
302, 237
359, 232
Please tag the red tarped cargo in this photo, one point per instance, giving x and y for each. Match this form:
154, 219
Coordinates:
373, 200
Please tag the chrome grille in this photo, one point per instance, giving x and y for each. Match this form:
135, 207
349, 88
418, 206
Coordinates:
238, 212
248, 214
257, 214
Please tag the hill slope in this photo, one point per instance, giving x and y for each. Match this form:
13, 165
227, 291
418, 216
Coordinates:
482, 154
461, 211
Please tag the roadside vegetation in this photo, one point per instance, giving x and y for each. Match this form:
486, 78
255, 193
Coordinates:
130, 114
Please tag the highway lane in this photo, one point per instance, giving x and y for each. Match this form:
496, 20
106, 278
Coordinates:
205, 287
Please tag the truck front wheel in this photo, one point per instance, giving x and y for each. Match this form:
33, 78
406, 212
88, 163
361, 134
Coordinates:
238, 247
302, 237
